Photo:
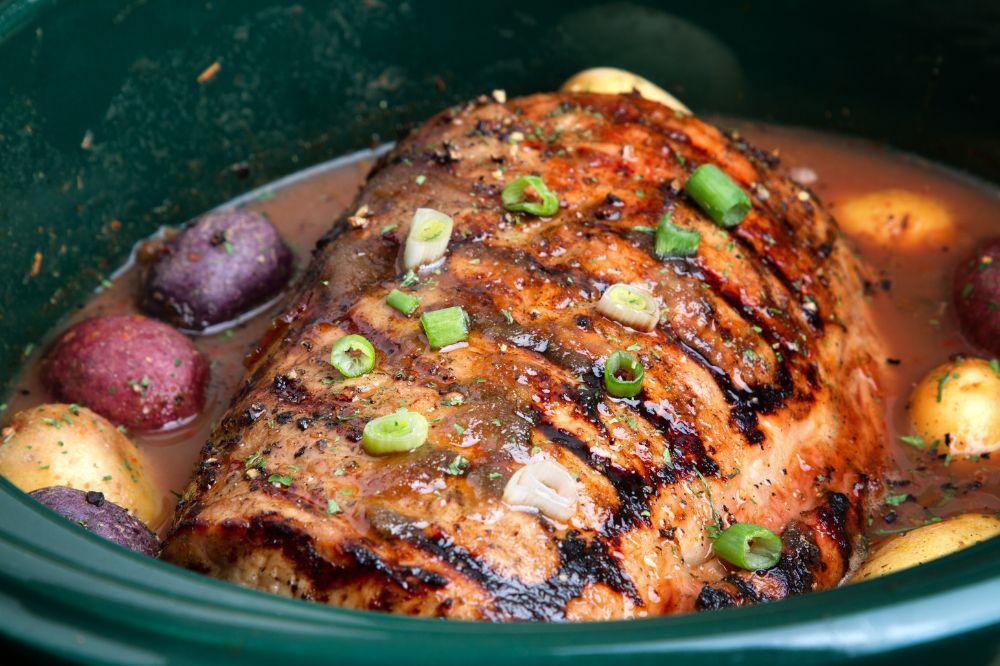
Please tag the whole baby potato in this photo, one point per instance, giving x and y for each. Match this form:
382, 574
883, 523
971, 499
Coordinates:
217, 268
897, 219
928, 543
135, 371
611, 80
68, 445
104, 518
957, 404
976, 289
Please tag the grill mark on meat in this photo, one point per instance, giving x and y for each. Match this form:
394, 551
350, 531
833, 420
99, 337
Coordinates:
745, 406
832, 519
581, 563
634, 491
686, 447
762, 399
403, 577
269, 530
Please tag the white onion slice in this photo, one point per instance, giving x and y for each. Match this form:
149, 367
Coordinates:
428, 238
545, 486
629, 305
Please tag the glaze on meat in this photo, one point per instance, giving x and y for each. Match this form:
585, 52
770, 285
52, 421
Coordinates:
759, 404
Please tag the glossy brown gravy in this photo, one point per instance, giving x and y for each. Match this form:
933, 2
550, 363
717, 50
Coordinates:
910, 295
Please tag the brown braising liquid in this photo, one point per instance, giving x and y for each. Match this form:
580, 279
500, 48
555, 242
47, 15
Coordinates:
910, 295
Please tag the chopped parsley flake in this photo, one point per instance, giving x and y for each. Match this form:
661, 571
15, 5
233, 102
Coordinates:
409, 279
285, 480
896, 499
458, 465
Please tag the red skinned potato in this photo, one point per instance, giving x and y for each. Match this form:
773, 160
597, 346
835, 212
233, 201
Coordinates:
104, 518
134, 371
217, 268
977, 296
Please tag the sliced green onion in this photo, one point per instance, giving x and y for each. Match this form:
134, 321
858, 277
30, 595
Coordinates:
748, 546
631, 306
402, 301
545, 486
427, 240
623, 375
673, 241
445, 327
353, 356
514, 197
400, 431
717, 195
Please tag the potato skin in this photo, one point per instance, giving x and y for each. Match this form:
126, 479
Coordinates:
958, 405
216, 269
611, 80
928, 543
976, 290
104, 518
135, 371
66, 445
896, 218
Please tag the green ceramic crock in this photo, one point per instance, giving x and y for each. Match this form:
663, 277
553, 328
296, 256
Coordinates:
102, 118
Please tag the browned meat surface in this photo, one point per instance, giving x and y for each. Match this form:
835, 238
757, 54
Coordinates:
759, 401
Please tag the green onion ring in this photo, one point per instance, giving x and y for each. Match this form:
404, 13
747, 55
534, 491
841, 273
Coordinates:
514, 200
353, 356
400, 431
748, 546
623, 375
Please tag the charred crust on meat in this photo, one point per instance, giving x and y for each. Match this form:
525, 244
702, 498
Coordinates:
288, 388
582, 563
253, 412
832, 520
711, 598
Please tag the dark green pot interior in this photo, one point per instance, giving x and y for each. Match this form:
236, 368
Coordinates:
301, 83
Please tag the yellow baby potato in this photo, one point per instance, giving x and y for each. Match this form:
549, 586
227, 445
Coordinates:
896, 218
67, 445
958, 405
928, 543
613, 81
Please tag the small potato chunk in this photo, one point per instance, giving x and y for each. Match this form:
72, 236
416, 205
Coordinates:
217, 270
928, 543
958, 405
614, 81
67, 445
895, 218
135, 371
106, 519
976, 289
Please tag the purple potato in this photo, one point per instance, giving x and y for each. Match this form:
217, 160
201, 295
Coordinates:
976, 290
100, 516
216, 269
132, 370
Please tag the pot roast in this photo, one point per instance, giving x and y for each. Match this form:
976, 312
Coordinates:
760, 401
